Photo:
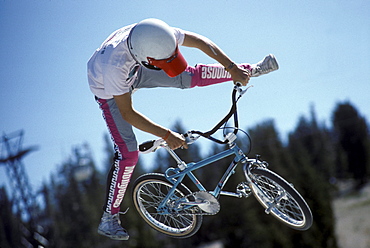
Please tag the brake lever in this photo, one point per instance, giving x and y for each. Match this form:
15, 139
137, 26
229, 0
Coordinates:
192, 138
150, 146
238, 87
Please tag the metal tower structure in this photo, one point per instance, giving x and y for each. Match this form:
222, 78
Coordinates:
23, 198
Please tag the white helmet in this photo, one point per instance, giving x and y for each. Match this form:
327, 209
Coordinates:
153, 44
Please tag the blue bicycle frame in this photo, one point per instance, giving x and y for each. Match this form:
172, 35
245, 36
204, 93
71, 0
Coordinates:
176, 175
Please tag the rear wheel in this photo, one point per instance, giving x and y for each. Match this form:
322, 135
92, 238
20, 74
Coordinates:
280, 199
149, 190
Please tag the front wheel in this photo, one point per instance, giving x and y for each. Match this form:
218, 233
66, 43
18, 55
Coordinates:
280, 199
149, 190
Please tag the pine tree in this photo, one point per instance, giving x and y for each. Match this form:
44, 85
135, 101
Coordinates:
313, 185
10, 235
317, 140
73, 201
294, 163
352, 135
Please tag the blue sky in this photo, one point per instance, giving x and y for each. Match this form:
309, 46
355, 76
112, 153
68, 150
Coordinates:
322, 48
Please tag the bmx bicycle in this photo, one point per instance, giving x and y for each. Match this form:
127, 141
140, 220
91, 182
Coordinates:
170, 207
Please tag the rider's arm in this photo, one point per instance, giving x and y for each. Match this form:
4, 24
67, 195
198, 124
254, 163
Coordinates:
213, 51
136, 119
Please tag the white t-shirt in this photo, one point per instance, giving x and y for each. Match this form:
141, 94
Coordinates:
112, 70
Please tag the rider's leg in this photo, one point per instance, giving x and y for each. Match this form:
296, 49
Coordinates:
121, 171
203, 75
200, 75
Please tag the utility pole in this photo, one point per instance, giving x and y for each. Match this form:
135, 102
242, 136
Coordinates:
23, 198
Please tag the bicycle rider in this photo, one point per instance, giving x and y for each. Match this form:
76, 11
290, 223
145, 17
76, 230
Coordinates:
147, 55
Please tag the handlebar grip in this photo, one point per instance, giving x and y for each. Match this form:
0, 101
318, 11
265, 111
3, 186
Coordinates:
146, 146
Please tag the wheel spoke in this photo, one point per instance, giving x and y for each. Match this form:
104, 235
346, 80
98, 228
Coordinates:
150, 194
278, 200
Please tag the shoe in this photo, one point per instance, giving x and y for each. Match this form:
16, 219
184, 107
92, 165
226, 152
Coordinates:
268, 64
110, 226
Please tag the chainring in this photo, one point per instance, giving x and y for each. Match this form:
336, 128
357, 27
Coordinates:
207, 202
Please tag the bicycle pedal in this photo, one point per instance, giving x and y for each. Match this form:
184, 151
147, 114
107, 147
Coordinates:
243, 189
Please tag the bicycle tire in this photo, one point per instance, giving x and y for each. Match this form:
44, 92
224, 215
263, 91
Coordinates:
148, 192
292, 209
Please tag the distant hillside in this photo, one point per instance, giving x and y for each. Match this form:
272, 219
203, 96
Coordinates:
352, 212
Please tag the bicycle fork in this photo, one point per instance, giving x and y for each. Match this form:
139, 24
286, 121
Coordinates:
270, 203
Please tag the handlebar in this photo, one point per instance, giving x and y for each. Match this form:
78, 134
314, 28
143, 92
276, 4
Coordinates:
233, 112
152, 145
